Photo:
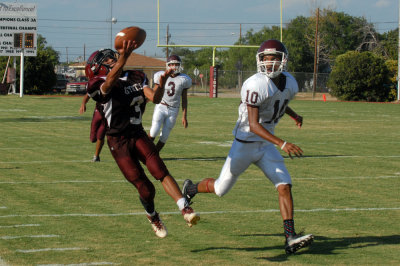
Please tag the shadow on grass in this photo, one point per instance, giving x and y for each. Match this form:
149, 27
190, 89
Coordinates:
322, 245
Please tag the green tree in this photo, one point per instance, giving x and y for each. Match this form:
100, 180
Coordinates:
393, 68
299, 40
39, 70
390, 43
360, 76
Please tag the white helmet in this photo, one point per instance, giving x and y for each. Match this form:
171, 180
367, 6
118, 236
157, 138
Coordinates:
174, 59
272, 47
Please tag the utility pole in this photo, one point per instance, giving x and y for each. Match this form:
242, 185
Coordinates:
398, 60
240, 33
111, 22
168, 36
316, 56
281, 23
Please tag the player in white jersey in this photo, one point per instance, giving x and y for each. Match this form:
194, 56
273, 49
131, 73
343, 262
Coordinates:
264, 100
166, 112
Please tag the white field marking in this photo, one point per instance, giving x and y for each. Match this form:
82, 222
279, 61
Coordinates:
3, 207
181, 180
70, 181
48, 249
212, 159
44, 162
18, 225
345, 142
12, 110
344, 177
82, 264
27, 236
220, 144
204, 212
14, 149
350, 156
56, 117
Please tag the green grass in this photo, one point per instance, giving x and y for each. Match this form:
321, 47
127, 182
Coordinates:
346, 189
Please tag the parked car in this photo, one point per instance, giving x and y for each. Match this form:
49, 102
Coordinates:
77, 87
61, 83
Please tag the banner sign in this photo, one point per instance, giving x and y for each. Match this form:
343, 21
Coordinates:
18, 27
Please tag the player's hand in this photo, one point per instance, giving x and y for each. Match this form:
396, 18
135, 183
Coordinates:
299, 121
291, 148
165, 76
82, 109
185, 122
127, 48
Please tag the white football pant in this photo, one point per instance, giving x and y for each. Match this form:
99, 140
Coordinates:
241, 155
164, 116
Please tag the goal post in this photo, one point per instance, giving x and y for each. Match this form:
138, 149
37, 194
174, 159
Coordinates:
214, 83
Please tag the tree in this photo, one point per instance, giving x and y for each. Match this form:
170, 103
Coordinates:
360, 76
390, 41
39, 70
392, 67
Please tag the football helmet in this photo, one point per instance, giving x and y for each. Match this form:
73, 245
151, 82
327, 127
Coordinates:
272, 68
174, 59
95, 64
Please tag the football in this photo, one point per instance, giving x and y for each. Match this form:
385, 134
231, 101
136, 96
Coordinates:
130, 33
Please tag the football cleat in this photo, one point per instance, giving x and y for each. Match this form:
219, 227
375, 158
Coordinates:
190, 216
96, 159
157, 225
296, 242
185, 190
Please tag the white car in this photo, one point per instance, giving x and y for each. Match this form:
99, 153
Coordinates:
77, 87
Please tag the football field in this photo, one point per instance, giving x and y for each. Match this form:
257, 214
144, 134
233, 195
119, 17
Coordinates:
58, 208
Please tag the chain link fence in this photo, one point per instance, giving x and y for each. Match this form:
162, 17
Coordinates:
231, 81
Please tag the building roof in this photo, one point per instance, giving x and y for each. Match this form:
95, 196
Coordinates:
142, 61
136, 61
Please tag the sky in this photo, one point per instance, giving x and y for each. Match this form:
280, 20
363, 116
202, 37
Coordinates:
76, 28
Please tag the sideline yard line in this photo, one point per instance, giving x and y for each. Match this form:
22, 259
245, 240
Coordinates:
216, 159
18, 225
27, 236
203, 212
48, 249
82, 264
181, 180
3, 207
61, 182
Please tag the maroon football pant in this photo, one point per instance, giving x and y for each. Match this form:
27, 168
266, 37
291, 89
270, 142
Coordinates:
128, 152
98, 126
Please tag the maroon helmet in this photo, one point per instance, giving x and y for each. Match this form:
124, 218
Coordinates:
95, 64
174, 59
272, 47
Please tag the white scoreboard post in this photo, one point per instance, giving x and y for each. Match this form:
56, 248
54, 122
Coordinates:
18, 37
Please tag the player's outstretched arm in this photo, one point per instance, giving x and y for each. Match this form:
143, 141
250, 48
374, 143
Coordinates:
115, 73
156, 93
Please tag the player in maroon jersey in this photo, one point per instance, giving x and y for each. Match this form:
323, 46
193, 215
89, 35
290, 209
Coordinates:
124, 95
97, 127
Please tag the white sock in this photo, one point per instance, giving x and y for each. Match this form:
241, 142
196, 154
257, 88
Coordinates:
181, 203
151, 214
